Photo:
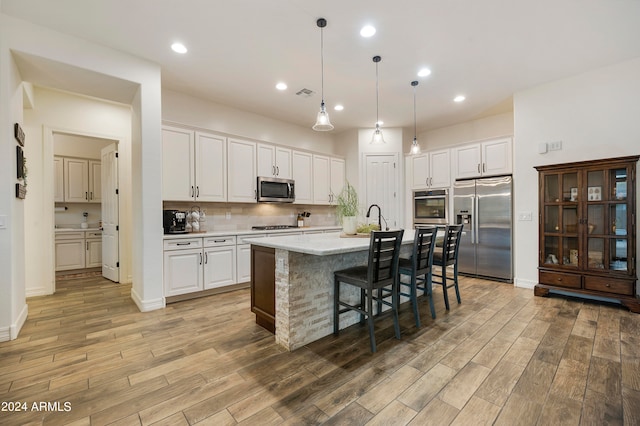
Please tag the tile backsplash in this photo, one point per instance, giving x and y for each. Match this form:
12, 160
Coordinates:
242, 216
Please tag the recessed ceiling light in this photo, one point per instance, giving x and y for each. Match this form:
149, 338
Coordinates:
424, 72
367, 31
281, 86
338, 107
459, 98
178, 48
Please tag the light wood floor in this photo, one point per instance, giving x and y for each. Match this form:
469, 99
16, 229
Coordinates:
502, 357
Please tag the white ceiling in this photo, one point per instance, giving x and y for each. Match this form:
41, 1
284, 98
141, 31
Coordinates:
239, 49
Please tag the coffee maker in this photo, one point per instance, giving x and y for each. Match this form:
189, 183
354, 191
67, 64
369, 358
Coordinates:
174, 222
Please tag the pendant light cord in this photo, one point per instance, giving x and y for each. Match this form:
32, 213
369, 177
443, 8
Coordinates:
415, 126
322, 62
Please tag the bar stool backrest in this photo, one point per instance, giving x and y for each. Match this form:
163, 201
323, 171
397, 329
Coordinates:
451, 244
424, 243
384, 252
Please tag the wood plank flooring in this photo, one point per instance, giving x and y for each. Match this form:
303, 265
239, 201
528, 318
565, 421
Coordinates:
502, 357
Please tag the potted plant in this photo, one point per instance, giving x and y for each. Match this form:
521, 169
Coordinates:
347, 209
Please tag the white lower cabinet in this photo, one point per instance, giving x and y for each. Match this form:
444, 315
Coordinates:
219, 262
196, 264
244, 262
78, 250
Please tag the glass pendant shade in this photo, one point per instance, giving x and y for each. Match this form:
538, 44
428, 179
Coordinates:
377, 138
415, 147
323, 123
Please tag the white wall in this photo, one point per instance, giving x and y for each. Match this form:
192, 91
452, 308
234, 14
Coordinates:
184, 109
483, 128
54, 111
126, 71
67, 145
595, 115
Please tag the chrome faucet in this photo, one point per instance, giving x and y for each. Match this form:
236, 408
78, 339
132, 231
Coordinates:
379, 215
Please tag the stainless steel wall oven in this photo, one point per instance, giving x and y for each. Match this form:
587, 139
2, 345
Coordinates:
430, 207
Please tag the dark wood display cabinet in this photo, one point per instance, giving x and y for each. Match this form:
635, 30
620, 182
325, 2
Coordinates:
588, 229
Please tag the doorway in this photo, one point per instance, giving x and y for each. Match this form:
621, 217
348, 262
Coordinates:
381, 177
85, 176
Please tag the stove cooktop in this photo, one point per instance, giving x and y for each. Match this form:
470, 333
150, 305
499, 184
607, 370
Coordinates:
271, 227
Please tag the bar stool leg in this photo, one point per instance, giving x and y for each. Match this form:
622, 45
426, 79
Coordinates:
455, 280
414, 299
336, 307
372, 337
429, 283
396, 302
444, 286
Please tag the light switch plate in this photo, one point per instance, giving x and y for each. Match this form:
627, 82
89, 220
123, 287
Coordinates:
3, 222
555, 146
524, 216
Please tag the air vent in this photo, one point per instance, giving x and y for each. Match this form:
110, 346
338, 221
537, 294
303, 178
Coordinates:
305, 93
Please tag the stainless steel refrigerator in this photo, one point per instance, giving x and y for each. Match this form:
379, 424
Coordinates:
484, 206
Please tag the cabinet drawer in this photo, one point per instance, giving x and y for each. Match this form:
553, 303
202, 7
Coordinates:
229, 240
609, 285
183, 243
70, 235
560, 279
93, 234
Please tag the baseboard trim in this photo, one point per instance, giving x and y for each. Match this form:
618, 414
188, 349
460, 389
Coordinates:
40, 291
147, 305
519, 282
11, 332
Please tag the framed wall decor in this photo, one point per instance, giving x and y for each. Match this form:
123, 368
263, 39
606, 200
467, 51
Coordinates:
18, 134
19, 162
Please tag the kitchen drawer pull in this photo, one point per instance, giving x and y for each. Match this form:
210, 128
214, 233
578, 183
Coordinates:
219, 241
183, 244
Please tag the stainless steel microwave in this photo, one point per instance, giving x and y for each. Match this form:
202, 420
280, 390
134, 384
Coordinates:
430, 207
276, 190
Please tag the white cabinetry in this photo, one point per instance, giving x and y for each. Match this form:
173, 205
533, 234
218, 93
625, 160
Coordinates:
194, 166
242, 171
328, 179
274, 161
78, 250
58, 179
195, 264
81, 180
487, 158
219, 261
431, 170
302, 173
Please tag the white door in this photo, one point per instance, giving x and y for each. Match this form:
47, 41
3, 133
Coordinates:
110, 218
381, 188
178, 164
182, 271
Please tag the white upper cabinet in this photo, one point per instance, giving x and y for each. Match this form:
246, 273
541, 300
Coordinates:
211, 167
76, 180
328, 178
274, 161
302, 174
242, 171
194, 165
95, 181
337, 177
178, 164
431, 170
487, 158
58, 179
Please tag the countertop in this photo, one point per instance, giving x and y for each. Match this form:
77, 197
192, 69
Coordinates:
321, 244
62, 230
258, 233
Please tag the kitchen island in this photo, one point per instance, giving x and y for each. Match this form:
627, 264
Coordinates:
303, 282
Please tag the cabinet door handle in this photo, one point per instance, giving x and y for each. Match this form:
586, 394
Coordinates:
86, 196
206, 258
91, 195
273, 170
277, 171
201, 258
478, 167
87, 243
197, 191
192, 191
484, 167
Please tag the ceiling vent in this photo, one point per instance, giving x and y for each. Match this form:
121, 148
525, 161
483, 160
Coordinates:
305, 93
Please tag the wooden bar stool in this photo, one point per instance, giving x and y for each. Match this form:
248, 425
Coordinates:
418, 267
446, 257
381, 271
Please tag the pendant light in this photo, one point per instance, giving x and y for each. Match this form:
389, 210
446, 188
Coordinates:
415, 146
322, 120
377, 138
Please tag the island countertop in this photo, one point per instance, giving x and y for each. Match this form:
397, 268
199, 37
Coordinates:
321, 244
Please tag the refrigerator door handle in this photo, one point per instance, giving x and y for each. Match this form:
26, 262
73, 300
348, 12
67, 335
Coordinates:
473, 219
476, 209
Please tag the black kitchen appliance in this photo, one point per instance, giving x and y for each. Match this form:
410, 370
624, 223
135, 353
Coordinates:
174, 221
